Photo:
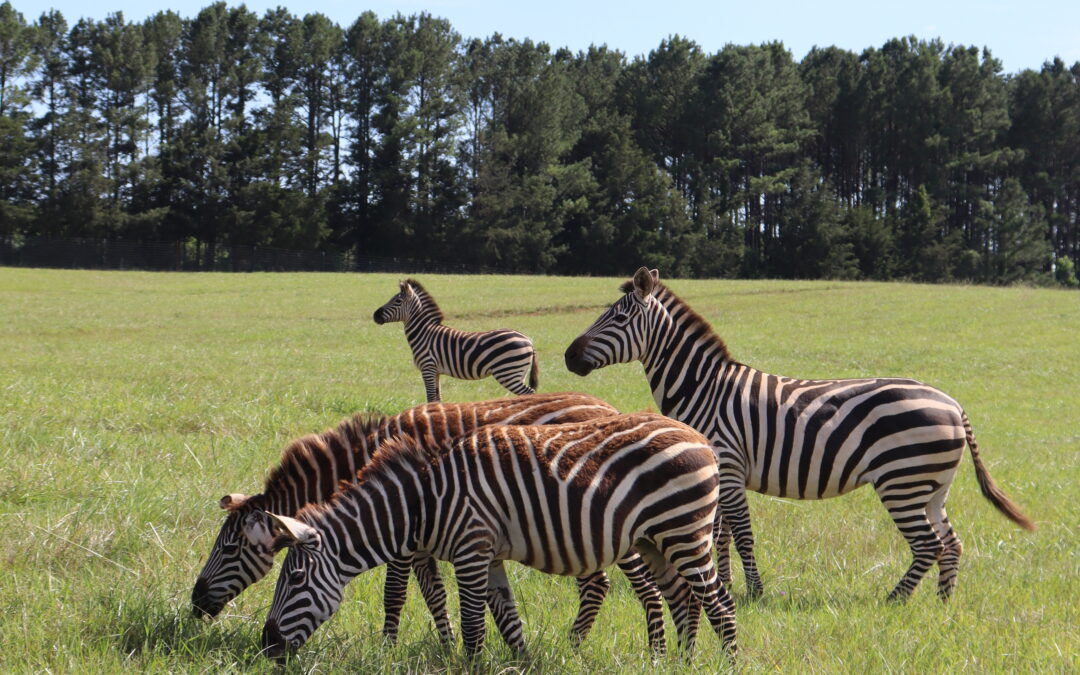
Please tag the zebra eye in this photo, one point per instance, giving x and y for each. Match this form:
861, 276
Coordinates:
296, 577
620, 318
230, 548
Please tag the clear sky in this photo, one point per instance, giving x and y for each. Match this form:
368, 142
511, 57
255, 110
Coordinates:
1020, 34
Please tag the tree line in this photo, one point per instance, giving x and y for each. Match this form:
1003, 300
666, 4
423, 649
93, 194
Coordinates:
400, 137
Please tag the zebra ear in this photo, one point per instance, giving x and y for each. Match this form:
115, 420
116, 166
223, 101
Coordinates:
406, 288
645, 281
233, 501
291, 531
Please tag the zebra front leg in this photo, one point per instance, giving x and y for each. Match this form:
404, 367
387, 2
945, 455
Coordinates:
592, 590
431, 382
500, 600
394, 590
471, 570
736, 516
633, 566
427, 574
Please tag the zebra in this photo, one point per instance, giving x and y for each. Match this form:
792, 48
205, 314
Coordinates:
506, 355
802, 439
312, 467
566, 499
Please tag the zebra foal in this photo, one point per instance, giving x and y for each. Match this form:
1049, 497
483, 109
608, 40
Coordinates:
312, 467
566, 499
506, 355
802, 439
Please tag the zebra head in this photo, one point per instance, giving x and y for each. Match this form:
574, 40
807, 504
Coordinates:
399, 307
242, 554
624, 331
308, 590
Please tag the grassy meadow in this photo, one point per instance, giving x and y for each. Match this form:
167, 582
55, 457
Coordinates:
131, 402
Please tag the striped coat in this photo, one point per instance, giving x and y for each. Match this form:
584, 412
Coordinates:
803, 439
312, 467
566, 499
506, 355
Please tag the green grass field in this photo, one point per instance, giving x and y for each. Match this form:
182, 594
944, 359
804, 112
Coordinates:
130, 402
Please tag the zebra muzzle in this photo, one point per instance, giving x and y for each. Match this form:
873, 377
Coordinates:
575, 357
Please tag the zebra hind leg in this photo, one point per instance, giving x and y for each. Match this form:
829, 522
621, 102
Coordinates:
684, 605
951, 547
648, 594
722, 545
514, 381
432, 589
908, 511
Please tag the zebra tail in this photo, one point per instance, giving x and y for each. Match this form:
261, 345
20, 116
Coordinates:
989, 488
534, 372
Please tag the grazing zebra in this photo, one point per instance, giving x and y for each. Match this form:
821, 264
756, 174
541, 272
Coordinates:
506, 355
803, 439
312, 467
566, 499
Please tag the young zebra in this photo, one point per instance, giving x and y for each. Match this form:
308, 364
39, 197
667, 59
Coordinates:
506, 355
312, 467
566, 499
803, 439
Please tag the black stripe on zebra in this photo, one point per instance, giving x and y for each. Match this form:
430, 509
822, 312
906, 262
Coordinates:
802, 439
506, 355
567, 499
312, 467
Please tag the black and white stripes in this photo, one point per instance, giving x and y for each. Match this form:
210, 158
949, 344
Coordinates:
567, 499
506, 355
802, 439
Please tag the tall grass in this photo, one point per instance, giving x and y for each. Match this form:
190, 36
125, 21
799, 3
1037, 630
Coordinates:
130, 402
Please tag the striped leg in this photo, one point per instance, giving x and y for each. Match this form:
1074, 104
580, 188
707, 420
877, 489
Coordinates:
500, 600
684, 606
515, 380
431, 382
908, 511
951, 547
593, 589
736, 514
471, 567
722, 545
431, 588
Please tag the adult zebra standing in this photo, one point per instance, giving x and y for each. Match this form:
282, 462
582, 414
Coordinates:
506, 355
312, 467
803, 439
566, 499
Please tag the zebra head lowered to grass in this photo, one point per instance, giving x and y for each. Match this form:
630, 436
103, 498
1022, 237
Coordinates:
802, 439
506, 355
312, 467
569, 499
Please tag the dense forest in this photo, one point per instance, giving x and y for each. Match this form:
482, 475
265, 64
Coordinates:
400, 137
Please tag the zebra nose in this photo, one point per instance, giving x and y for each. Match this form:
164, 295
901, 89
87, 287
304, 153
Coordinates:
201, 603
273, 642
377, 317
575, 357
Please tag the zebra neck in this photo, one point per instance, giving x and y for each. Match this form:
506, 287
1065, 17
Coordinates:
373, 524
683, 367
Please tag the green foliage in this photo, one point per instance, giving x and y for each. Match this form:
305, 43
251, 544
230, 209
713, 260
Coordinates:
399, 137
133, 401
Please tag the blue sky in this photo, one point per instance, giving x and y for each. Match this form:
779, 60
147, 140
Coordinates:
1020, 34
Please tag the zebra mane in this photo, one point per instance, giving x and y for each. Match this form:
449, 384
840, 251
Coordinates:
426, 301
686, 315
303, 453
397, 451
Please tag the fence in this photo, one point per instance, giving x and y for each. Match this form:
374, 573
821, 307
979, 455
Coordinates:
189, 256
